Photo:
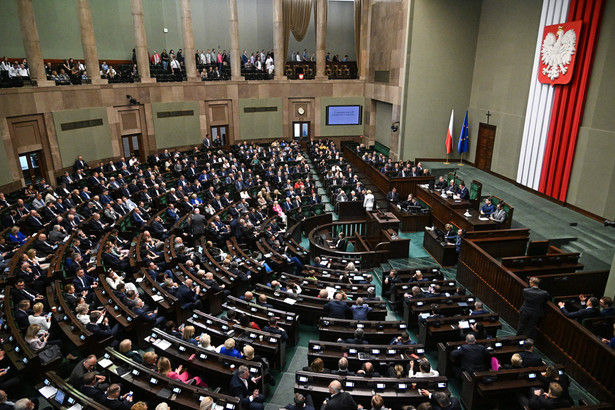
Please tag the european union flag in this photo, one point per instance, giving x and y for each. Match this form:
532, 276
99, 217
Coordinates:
463, 137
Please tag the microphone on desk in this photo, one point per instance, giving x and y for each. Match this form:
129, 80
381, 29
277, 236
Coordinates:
609, 223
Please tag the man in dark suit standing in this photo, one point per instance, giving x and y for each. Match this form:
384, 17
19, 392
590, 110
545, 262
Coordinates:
244, 387
532, 309
197, 224
473, 357
393, 197
340, 400
337, 308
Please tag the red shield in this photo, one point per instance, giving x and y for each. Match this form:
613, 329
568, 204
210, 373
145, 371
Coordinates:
558, 52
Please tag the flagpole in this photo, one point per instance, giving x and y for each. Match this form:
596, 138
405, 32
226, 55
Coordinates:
446, 162
461, 160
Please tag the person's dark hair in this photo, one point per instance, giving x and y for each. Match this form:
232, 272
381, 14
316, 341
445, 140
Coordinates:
607, 301
441, 399
405, 336
94, 316
461, 290
89, 377
594, 302
244, 320
425, 366
555, 390
299, 400
231, 314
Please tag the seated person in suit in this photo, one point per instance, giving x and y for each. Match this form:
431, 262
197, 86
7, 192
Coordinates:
301, 402
101, 328
591, 310
441, 400
367, 370
244, 387
228, 348
472, 357
463, 192
115, 399
340, 400
341, 243
550, 400
273, 327
358, 338
488, 208
528, 356
342, 368
450, 236
441, 184
317, 366
478, 309
403, 339
337, 308
499, 215
606, 306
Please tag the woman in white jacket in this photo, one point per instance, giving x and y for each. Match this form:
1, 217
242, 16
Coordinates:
368, 201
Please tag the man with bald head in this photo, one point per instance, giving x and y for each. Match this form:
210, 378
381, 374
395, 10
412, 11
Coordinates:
339, 400
338, 308
211, 282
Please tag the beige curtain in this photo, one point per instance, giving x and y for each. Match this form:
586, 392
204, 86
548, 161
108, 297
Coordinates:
358, 7
296, 19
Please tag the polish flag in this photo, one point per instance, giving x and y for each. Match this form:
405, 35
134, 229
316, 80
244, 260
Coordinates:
449, 134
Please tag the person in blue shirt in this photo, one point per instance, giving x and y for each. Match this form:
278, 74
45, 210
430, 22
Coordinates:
488, 208
360, 310
229, 348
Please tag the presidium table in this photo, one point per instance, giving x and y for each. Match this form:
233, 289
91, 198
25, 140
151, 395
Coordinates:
447, 210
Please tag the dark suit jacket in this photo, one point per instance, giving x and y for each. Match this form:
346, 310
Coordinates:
341, 401
530, 359
117, 404
79, 287
337, 309
534, 300
541, 402
93, 393
581, 314
473, 357
239, 389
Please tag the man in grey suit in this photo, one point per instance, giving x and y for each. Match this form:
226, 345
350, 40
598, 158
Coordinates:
499, 215
532, 308
197, 224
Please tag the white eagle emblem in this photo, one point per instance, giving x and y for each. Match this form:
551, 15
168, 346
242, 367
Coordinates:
557, 52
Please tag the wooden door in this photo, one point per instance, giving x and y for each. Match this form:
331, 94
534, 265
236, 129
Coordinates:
484, 146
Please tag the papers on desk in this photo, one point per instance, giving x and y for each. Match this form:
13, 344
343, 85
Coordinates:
290, 301
162, 344
157, 298
139, 280
47, 391
75, 406
332, 291
268, 255
104, 363
464, 324
423, 315
483, 218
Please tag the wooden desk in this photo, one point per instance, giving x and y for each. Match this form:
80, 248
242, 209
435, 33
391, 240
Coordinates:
509, 346
441, 208
476, 393
411, 222
381, 356
270, 345
289, 321
446, 329
445, 255
375, 332
378, 220
152, 386
316, 384
312, 308
350, 210
472, 223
